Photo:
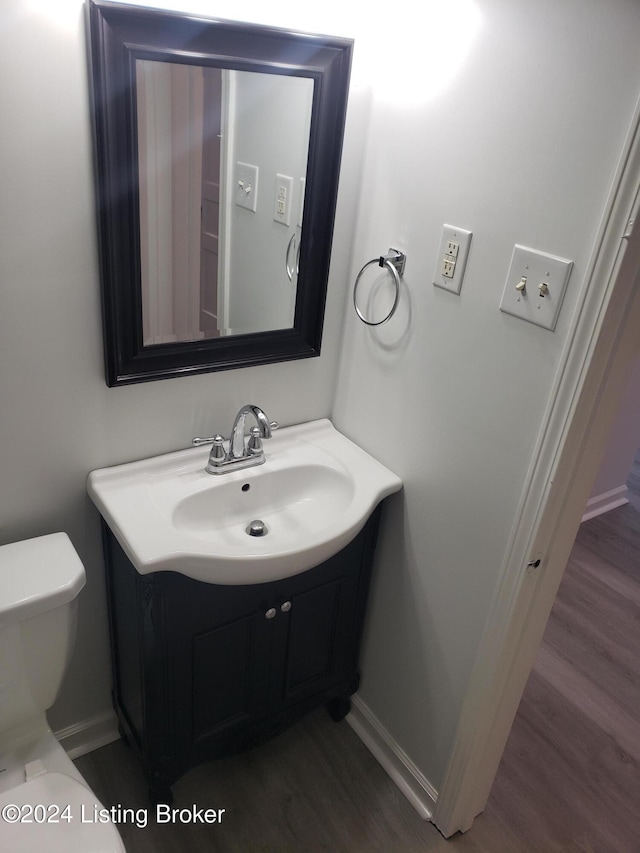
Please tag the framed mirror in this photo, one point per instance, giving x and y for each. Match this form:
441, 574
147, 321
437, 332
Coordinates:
217, 153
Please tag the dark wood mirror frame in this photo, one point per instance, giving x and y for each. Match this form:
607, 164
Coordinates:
120, 34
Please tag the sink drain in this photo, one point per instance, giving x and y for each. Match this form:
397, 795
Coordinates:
257, 528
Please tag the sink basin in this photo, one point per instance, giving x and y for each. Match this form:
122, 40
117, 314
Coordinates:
312, 495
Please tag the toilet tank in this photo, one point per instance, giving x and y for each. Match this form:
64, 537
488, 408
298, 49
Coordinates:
39, 583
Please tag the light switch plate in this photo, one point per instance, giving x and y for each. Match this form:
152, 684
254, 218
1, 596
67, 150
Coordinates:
246, 187
452, 258
535, 269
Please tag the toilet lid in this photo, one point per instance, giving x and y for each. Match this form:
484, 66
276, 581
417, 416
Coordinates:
37, 575
54, 813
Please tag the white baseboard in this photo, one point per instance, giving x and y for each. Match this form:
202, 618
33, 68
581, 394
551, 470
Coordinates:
416, 788
88, 735
84, 737
605, 502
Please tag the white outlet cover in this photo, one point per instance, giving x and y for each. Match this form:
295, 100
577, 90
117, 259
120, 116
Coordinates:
538, 268
246, 186
462, 239
283, 199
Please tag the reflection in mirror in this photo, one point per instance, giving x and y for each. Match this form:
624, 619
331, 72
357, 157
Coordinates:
212, 139
222, 160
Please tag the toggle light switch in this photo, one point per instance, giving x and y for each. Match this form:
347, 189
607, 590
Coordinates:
535, 286
246, 189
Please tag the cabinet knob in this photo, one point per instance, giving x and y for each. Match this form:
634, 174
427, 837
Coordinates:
271, 612
285, 606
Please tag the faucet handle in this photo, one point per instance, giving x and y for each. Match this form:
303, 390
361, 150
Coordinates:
254, 445
217, 456
197, 440
217, 453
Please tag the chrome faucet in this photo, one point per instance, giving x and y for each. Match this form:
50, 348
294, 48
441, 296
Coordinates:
238, 454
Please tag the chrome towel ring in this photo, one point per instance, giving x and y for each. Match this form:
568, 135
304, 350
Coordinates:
394, 261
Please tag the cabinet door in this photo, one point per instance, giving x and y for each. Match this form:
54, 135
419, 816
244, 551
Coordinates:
220, 643
317, 632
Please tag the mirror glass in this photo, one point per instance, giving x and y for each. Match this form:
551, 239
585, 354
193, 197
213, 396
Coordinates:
222, 160
217, 153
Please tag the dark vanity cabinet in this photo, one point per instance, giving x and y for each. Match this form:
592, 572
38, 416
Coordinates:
202, 670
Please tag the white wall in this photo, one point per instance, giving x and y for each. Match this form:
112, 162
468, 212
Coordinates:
58, 419
513, 133
518, 144
271, 120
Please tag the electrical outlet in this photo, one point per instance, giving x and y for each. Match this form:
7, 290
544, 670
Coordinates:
452, 258
283, 198
535, 286
448, 266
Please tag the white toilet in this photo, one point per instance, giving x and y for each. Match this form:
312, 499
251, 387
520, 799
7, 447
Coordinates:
45, 804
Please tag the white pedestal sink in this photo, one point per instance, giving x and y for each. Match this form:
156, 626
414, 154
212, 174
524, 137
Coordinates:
313, 494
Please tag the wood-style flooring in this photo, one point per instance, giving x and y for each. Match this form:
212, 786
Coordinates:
569, 781
570, 776
633, 483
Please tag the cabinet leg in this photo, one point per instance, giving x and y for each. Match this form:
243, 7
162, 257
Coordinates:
339, 707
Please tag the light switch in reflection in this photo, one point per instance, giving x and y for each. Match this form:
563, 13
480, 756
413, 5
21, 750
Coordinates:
246, 186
